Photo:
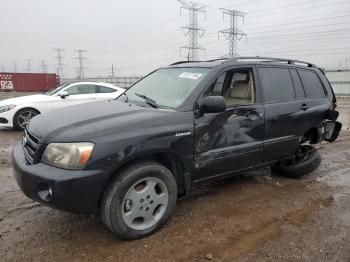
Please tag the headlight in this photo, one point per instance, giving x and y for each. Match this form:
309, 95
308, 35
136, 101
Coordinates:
68, 155
6, 108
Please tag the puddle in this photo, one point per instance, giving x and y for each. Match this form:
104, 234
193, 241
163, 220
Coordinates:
338, 178
248, 241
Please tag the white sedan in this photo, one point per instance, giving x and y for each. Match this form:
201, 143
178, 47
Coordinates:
17, 112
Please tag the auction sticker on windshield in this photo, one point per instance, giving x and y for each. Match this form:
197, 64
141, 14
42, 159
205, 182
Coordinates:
190, 75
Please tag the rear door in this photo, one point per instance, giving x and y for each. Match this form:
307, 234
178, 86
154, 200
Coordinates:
284, 108
317, 102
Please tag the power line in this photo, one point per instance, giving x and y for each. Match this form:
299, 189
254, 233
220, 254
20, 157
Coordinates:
232, 34
298, 28
59, 64
290, 10
299, 9
193, 31
80, 58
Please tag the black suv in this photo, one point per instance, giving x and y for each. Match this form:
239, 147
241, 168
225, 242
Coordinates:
179, 126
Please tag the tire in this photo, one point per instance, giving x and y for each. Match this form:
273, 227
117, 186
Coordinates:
122, 210
310, 163
18, 122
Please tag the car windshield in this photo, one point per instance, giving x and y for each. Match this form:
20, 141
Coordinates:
55, 90
167, 87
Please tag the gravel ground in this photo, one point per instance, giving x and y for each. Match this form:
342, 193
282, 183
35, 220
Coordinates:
251, 217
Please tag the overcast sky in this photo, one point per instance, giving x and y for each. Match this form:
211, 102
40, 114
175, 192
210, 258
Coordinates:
139, 36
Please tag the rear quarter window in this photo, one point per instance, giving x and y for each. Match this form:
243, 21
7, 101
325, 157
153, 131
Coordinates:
103, 89
277, 84
312, 84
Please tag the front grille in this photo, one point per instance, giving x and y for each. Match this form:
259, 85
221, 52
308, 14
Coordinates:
31, 147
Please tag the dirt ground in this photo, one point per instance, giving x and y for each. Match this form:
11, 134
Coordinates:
251, 217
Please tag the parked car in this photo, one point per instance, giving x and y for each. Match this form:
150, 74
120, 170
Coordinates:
180, 126
17, 112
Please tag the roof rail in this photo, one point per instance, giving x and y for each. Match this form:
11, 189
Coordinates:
274, 59
212, 60
217, 59
182, 62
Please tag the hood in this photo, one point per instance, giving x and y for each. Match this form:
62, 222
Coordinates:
24, 100
87, 122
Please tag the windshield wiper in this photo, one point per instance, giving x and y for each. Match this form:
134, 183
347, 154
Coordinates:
148, 100
126, 97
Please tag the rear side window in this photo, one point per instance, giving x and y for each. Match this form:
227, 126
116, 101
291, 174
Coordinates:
277, 84
299, 90
312, 84
103, 89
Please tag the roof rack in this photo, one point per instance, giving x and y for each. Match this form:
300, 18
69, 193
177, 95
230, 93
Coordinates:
262, 58
274, 59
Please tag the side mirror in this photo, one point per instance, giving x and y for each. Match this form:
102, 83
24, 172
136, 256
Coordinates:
63, 94
212, 104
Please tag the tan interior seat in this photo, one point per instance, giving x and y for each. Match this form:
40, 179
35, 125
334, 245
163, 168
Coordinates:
240, 93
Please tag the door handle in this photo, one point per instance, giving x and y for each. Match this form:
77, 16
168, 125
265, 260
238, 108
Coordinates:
254, 115
304, 107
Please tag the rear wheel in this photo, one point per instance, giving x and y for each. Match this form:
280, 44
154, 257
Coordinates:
22, 118
139, 201
305, 160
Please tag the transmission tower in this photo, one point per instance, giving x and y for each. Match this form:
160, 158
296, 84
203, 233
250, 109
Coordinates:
59, 58
193, 31
43, 66
29, 65
232, 34
14, 67
80, 58
112, 71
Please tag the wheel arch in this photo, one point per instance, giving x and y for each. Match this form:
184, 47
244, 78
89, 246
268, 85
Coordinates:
14, 124
170, 160
313, 135
25, 107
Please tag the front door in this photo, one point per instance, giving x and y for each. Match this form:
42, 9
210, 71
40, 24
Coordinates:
78, 93
231, 140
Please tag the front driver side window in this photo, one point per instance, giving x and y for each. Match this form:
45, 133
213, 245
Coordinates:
236, 86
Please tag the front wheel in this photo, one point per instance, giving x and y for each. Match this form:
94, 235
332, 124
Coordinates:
139, 201
22, 118
305, 160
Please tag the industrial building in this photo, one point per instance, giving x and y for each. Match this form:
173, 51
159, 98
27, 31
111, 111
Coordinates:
340, 80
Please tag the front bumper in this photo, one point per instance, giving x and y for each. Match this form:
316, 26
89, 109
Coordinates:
6, 119
70, 190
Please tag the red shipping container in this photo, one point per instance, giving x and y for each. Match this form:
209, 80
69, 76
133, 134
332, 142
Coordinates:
28, 82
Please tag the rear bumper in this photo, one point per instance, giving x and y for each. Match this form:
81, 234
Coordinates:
331, 130
70, 190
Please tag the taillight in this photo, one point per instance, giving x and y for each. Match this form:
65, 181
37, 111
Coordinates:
334, 104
